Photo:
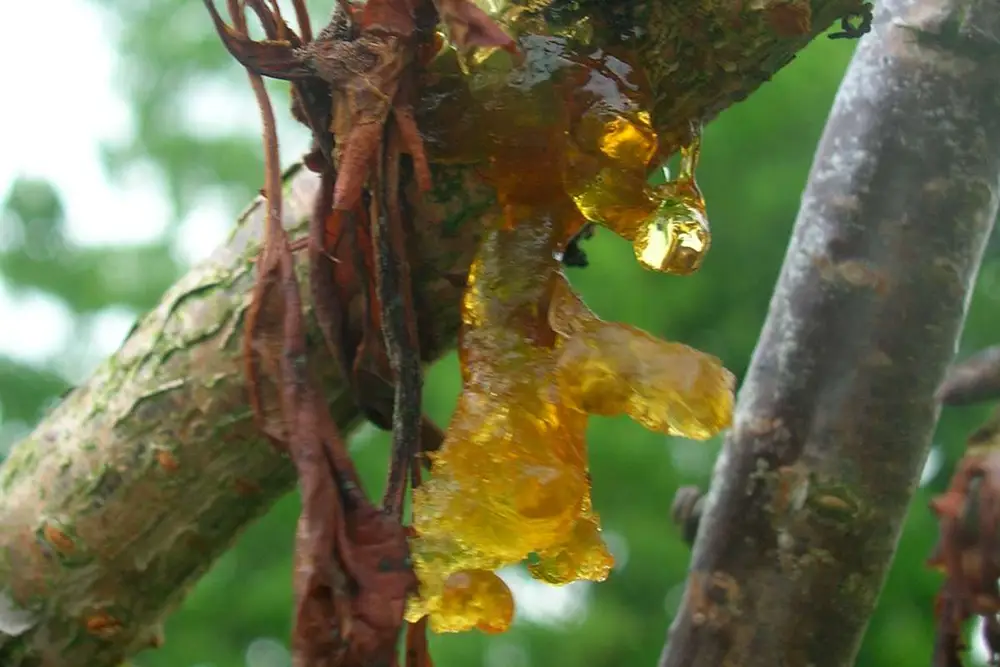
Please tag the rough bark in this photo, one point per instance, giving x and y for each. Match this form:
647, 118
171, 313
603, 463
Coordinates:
127, 492
835, 416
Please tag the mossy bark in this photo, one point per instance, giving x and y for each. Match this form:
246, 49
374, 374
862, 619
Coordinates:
127, 492
836, 413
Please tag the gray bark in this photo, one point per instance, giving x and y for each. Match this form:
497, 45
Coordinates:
834, 419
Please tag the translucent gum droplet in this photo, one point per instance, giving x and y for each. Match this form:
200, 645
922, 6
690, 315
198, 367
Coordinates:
667, 225
677, 237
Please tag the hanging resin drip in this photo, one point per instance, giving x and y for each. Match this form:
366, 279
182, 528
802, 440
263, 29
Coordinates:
677, 237
605, 174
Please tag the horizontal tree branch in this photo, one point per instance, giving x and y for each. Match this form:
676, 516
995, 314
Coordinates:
835, 416
127, 492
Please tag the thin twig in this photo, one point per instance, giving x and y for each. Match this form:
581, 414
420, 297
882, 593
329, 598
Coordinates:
274, 235
302, 17
398, 318
323, 272
973, 380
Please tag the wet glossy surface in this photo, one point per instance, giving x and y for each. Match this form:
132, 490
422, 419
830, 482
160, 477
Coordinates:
564, 137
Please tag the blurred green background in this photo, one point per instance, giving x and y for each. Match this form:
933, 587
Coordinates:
192, 131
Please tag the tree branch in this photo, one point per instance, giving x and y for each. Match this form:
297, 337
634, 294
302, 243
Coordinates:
126, 493
835, 416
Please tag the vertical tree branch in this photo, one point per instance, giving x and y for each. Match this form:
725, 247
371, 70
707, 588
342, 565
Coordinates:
834, 420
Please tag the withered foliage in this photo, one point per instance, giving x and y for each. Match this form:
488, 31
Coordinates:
968, 550
354, 86
969, 515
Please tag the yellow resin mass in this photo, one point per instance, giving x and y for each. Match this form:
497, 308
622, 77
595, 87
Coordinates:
511, 478
612, 369
565, 136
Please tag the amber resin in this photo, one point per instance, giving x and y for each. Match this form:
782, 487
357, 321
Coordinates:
564, 135
571, 117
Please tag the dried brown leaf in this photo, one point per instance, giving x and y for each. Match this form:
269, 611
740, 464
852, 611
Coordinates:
277, 59
968, 551
352, 566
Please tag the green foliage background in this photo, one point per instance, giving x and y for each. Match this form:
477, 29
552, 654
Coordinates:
755, 164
